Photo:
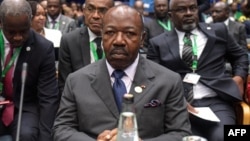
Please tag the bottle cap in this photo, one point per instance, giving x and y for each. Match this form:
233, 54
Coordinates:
128, 98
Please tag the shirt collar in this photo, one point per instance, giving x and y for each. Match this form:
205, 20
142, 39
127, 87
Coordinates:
226, 22
182, 34
92, 35
57, 19
130, 70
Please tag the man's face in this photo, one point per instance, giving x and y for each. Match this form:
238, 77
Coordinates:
16, 29
161, 8
219, 13
122, 37
53, 8
234, 7
139, 6
184, 14
94, 11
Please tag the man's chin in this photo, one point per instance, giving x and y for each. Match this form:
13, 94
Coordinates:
189, 27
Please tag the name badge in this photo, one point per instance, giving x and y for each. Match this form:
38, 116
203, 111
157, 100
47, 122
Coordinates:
192, 78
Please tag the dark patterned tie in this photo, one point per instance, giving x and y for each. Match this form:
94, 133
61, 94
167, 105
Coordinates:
119, 87
53, 24
99, 52
187, 50
187, 58
8, 112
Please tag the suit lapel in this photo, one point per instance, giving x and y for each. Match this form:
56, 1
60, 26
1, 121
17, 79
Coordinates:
26, 50
84, 45
103, 87
142, 82
174, 46
62, 24
211, 37
230, 24
172, 43
24, 56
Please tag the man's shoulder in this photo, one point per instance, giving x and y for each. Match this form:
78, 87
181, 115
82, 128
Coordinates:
161, 37
66, 19
159, 70
88, 70
76, 32
151, 23
218, 28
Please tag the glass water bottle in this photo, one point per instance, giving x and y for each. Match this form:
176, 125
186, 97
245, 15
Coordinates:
127, 127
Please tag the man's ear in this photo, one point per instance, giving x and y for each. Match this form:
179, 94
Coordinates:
143, 34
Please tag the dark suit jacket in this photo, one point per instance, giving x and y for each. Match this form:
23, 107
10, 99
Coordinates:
41, 91
203, 5
152, 29
74, 53
247, 26
88, 105
164, 50
239, 32
66, 25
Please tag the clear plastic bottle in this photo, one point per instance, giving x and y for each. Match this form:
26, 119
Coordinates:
127, 127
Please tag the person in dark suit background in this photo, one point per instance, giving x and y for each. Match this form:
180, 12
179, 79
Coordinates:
55, 18
245, 18
88, 91
159, 23
221, 13
211, 46
139, 6
41, 96
78, 48
203, 5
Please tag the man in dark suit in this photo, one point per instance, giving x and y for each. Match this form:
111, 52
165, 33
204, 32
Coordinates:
78, 48
139, 6
203, 72
55, 18
88, 109
160, 23
41, 97
221, 13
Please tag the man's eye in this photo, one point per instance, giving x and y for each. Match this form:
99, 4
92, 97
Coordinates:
130, 33
181, 10
103, 10
90, 9
109, 32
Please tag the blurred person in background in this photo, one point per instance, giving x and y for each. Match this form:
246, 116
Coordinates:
38, 24
160, 23
44, 5
55, 18
83, 45
245, 18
